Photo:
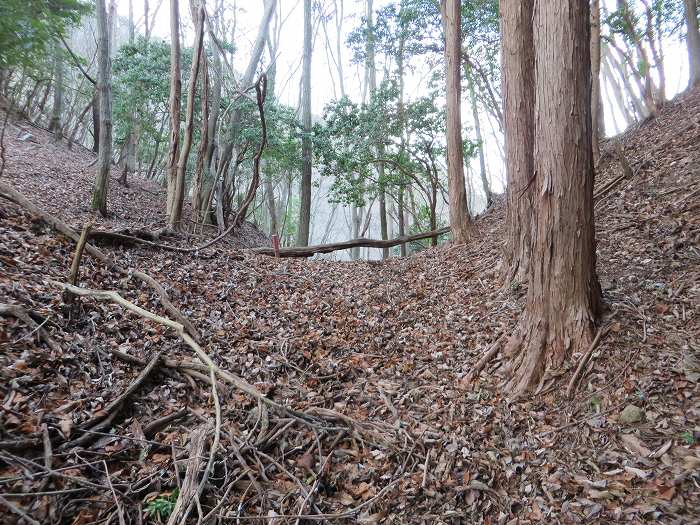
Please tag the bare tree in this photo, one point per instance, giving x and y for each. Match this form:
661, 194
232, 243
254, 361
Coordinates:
55, 125
306, 147
104, 88
459, 207
175, 94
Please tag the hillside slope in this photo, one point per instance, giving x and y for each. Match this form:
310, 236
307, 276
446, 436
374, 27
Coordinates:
375, 355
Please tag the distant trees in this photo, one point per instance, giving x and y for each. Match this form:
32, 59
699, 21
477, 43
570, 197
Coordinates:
104, 88
693, 40
563, 292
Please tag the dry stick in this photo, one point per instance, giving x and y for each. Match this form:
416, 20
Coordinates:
213, 449
490, 354
57, 224
154, 426
108, 414
189, 484
228, 377
75, 266
14, 508
20, 313
584, 361
120, 512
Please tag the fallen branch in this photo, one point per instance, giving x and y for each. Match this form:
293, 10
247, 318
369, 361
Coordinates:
486, 358
238, 382
20, 313
584, 361
116, 404
198, 439
75, 266
10, 193
308, 251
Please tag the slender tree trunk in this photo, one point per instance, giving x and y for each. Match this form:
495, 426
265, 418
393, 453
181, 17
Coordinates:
596, 106
199, 171
480, 140
305, 188
104, 88
55, 125
459, 207
78, 122
693, 41
179, 193
563, 293
518, 66
175, 94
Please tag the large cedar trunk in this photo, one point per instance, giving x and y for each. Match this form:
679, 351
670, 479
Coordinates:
104, 88
305, 187
596, 105
175, 94
458, 204
518, 66
563, 292
693, 41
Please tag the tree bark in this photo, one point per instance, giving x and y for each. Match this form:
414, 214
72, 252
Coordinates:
458, 204
104, 88
563, 293
179, 192
693, 41
518, 66
306, 151
205, 139
55, 125
175, 94
596, 105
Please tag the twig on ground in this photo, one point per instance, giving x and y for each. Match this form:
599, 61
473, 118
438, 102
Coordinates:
120, 512
20, 313
14, 508
584, 361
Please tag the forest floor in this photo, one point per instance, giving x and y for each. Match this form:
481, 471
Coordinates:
371, 360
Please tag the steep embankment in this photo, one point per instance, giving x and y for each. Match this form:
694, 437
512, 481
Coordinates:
388, 346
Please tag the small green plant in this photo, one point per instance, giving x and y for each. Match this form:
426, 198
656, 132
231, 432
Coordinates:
596, 402
687, 437
161, 507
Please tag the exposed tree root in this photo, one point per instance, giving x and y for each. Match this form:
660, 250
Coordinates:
538, 350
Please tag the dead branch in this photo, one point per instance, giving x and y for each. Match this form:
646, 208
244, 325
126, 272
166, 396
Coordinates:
10, 193
75, 266
20, 313
198, 439
308, 251
486, 358
584, 361
116, 404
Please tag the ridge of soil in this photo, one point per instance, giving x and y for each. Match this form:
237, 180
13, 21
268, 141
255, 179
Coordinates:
389, 344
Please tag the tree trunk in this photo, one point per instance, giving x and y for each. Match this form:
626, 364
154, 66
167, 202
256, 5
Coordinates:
480, 140
305, 187
55, 125
175, 94
179, 193
197, 180
518, 66
693, 41
104, 88
563, 293
596, 106
459, 207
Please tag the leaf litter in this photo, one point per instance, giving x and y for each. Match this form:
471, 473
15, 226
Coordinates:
376, 354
